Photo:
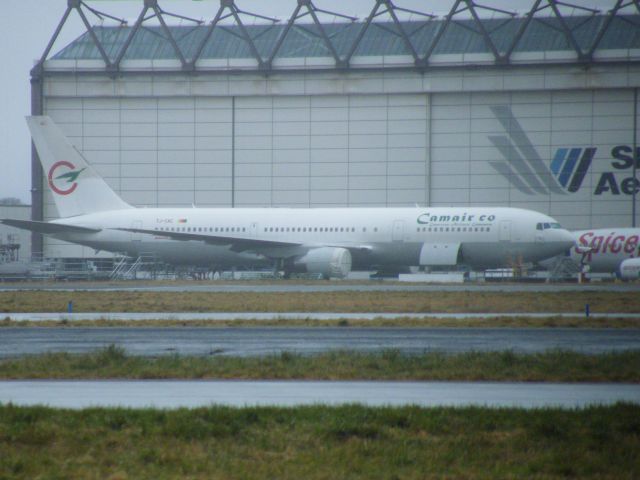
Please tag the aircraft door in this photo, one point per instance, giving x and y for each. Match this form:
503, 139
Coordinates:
136, 236
505, 231
397, 234
253, 230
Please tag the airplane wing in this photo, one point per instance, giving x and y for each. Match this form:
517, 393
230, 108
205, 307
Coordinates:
47, 227
238, 244
268, 248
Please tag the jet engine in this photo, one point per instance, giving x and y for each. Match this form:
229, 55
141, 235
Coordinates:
630, 269
327, 261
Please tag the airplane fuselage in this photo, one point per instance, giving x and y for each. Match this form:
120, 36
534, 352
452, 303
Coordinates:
607, 248
376, 237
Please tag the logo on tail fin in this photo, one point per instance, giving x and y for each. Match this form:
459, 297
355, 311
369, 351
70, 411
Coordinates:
63, 182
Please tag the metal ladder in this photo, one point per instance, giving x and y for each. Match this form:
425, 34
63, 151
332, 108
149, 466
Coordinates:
564, 268
123, 270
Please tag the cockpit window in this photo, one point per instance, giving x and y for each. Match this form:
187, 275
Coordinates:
546, 226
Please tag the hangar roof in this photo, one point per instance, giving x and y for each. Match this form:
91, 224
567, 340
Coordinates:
461, 37
391, 36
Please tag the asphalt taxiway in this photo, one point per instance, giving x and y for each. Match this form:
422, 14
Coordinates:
257, 341
169, 394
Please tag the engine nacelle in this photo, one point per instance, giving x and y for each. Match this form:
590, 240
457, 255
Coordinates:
630, 269
327, 261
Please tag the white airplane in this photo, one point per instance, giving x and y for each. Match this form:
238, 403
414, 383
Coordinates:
327, 241
610, 250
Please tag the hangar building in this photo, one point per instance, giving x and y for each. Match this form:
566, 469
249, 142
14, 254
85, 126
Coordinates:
479, 107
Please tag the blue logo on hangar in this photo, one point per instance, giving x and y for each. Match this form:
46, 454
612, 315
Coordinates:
570, 165
523, 167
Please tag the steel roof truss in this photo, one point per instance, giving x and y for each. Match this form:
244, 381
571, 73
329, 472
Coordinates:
629, 21
234, 12
483, 32
231, 31
407, 41
572, 5
77, 5
205, 39
94, 37
155, 33
391, 9
564, 28
63, 20
247, 37
568, 33
550, 25
523, 28
441, 31
381, 7
158, 13
312, 11
181, 17
167, 32
283, 35
186, 33
256, 15
607, 23
506, 21
127, 43
308, 30
415, 12
100, 14
373, 14
382, 26
582, 23
264, 32
336, 14
323, 33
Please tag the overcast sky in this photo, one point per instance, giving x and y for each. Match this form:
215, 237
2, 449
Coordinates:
27, 25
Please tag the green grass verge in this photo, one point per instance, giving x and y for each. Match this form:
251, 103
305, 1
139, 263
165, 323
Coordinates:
319, 442
350, 301
551, 366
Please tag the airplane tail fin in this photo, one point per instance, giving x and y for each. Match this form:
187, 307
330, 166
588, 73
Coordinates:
76, 187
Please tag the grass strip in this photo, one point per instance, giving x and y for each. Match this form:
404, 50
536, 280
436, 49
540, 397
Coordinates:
552, 366
350, 301
320, 442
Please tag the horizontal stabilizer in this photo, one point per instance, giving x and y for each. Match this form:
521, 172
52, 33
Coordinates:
47, 227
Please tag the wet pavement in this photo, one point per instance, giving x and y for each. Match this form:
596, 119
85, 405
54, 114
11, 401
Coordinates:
190, 394
251, 341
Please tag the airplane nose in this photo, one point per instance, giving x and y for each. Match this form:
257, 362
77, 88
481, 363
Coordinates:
567, 236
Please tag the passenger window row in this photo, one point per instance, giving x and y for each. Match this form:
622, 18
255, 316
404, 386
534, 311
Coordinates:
203, 229
314, 229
